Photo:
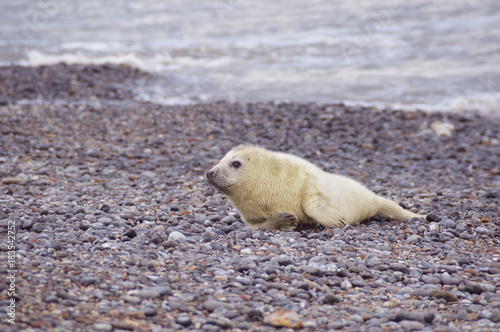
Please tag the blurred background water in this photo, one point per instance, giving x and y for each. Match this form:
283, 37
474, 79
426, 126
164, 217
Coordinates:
433, 55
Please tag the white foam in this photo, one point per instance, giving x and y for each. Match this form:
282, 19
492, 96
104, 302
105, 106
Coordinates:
37, 58
487, 103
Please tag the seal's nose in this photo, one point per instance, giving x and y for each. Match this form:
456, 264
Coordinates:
210, 174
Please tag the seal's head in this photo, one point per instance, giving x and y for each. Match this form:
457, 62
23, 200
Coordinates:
229, 171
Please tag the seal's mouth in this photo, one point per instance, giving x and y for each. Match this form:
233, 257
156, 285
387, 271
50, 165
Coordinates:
217, 186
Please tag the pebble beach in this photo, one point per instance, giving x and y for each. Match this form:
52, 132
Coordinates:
115, 228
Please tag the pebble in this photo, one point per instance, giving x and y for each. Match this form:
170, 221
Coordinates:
283, 318
492, 315
409, 315
212, 305
88, 280
131, 299
103, 327
442, 294
176, 236
413, 239
117, 221
131, 233
482, 230
184, 320
399, 267
223, 322
412, 326
12, 180
329, 298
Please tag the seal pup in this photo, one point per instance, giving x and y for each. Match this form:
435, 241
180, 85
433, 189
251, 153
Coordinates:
276, 190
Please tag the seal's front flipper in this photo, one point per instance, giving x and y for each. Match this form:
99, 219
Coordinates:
284, 221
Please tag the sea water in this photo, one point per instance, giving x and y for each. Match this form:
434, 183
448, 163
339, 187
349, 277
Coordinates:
420, 54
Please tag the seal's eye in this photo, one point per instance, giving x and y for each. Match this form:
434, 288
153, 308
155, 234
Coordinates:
236, 164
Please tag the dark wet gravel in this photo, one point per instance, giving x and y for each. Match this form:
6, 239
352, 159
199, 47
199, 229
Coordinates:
117, 229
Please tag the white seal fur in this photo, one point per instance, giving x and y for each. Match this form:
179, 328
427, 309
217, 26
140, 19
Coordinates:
276, 190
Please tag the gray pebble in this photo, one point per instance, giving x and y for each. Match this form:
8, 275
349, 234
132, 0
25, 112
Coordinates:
448, 223
329, 298
346, 285
412, 325
27, 224
105, 221
358, 283
492, 315
103, 327
409, 315
485, 323
223, 322
466, 236
474, 288
451, 280
462, 314
431, 280
399, 267
482, 230
146, 293
131, 299
356, 318
176, 236
413, 239
312, 270
170, 244
88, 280
50, 299
228, 220
184, 320
212, 305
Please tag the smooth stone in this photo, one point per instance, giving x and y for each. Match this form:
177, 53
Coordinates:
283, 318
220, 321
103, 327
346, 285
131, 233
149, 174
442, 294
399, 267
12, 180
176, 236
27, 224
474, 288
184, 320
329, 298
89, 280
412, 325
431, 280
228, 220
312, 270
409, 315
131, 299
413, 239
105, 221
432, 218
482, 230
489, 314
462, 314
212, 305
146, 293
149, 311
